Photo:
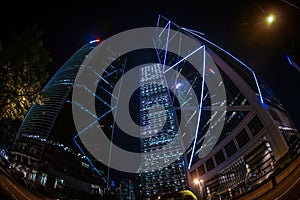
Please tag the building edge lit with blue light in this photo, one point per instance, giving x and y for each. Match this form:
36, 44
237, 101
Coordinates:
257, 134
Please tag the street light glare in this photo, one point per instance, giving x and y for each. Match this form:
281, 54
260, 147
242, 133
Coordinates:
196, 181
270, 19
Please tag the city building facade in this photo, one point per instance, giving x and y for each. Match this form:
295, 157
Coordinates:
240, 139
257, 132
156, 180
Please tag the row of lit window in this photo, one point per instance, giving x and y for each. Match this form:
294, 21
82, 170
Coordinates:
242, 138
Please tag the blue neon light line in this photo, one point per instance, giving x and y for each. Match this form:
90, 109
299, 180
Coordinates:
157, 53
108, 74
178, 53
164, 28
289, 59
260, 95
170, 39
92, 93
82, 131
160, 33
156, 50
190, 30
166, 50
254, 75
168, 24
114, 123
158, 19
179, 49
108, 92
92, 123
191, 87
184, 58
200, 107
89, 67
89, 161
83, 108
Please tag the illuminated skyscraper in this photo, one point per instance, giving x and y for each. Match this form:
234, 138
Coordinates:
44, 149
159, 125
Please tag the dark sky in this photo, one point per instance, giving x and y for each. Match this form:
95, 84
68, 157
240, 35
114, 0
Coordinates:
237, 26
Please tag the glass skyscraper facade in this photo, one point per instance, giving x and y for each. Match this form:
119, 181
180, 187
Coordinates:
44, 150
160, 127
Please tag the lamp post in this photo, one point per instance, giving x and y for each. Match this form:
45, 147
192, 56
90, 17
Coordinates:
201, 187
208, 194
197, 182
230, 194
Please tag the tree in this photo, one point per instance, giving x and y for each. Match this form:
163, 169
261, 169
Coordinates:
23, 64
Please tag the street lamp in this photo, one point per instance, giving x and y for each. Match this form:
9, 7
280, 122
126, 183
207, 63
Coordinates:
230, 194
196, 181
201, 187
270, 19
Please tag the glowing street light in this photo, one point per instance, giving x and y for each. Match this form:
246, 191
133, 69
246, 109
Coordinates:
201, 186
196, 181
270, 19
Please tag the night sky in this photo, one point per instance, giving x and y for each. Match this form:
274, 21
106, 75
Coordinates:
237, 26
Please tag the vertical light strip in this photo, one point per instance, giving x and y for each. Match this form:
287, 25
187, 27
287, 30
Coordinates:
178, 53
156, 50
113, 127
158, 19
89, 161
167, 43
200, 108
164, 29
81, 132
254, 75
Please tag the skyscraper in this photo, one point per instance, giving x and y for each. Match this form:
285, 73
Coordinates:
160, 127
44, 149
